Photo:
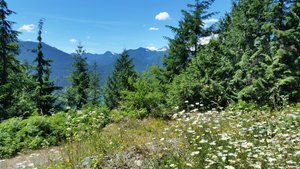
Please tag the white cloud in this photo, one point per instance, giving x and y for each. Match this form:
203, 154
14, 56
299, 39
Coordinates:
46, 31
162, 16
208, 22
213, 20
153, 48
27, 28
153, 29
206, 40
73, 40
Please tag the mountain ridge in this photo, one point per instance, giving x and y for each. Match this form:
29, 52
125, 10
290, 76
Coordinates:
61, 65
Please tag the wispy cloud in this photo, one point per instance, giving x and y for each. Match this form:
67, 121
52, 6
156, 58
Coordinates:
27, 28
73, 40
208, 22
162, 16
153, 29
213, 20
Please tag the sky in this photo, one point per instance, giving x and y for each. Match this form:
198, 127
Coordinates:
103, 25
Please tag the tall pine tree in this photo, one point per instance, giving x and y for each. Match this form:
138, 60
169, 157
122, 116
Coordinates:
94, 86
77, 94
185, 44
44, 86
118, 81
285, 51
9, 66
251, 54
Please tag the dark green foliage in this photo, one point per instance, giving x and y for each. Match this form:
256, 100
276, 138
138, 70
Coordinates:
204, 81
185, 44
17, 134
285, 51
44, 97
8, 63
118, 81
35, 132
9, 47
254, 61
77, 94
147, 96
24, 89
94, 86
9, 143
266, 71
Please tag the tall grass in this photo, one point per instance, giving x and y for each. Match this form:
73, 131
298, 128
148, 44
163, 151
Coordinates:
193, 139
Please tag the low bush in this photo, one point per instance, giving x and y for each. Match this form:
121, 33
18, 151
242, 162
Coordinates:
147, 97
17, 134
9, 141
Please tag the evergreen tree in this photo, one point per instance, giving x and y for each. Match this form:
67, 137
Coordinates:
94, 86
44, 86
148, 96
262, 38
251, 57
77, 94
9, 66
204, 80
185, 44
285, 51
118, 81
111, 94
24, 91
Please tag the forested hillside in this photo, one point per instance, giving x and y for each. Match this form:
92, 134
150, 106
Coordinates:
230, 103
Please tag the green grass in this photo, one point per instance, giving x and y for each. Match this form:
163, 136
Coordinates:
212, 139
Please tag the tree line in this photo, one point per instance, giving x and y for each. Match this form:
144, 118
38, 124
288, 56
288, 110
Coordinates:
254, 61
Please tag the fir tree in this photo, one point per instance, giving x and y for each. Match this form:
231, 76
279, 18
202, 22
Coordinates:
77, 94
251, 54
24, 91
204, 80
185, 44
94, 86
285, 51
9, 66
44, 86
118, 81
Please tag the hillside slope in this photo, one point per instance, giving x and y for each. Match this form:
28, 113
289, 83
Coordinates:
211, 139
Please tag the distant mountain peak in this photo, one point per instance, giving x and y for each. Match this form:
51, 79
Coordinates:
62, 61
109, 53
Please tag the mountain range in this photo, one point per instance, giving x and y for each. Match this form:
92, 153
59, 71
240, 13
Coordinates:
61, 65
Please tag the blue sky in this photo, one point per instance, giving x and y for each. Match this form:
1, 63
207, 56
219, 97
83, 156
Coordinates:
102, 25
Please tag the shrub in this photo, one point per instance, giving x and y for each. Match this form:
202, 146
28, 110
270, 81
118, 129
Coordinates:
147, 98
17, 134
9, 141
38, 132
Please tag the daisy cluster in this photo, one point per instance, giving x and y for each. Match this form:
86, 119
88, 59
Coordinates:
240, 139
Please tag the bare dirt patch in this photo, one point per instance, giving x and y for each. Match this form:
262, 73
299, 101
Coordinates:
32, 159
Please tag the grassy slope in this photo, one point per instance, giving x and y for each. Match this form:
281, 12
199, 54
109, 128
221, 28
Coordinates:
214, 139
